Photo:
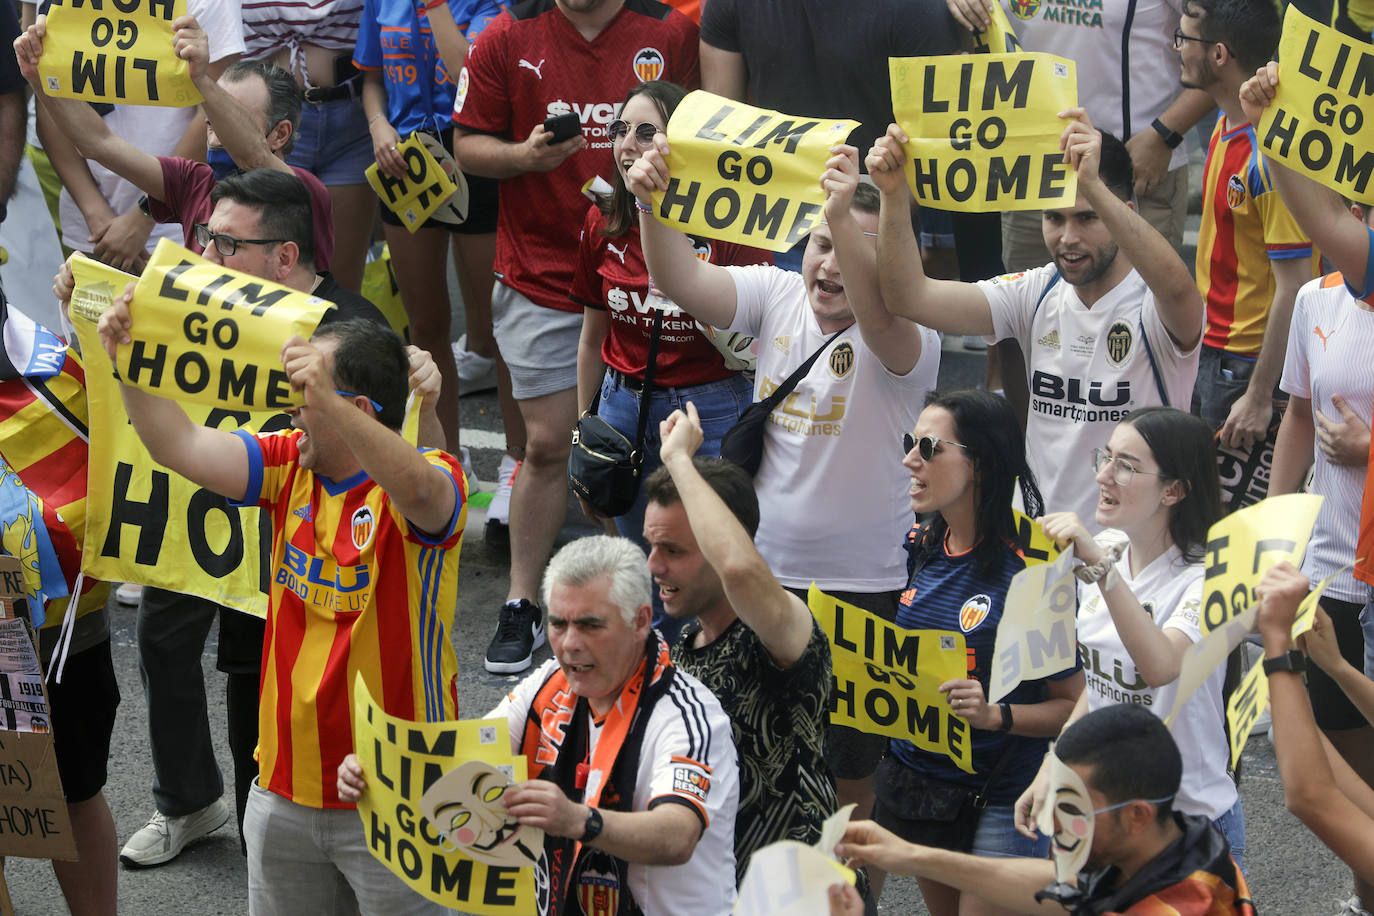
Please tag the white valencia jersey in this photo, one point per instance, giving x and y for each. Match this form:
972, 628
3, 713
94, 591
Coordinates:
1330, 343
1087, 369
1170, 589
832, 490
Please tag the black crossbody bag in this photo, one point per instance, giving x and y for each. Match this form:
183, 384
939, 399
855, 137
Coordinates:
604, 467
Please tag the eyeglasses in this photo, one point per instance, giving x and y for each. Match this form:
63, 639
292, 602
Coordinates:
928, 445
350, 395
1180, 38
1123, 472
227, 245
644, 131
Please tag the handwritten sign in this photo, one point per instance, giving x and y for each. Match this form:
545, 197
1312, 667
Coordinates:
1319, 121
206, 334
985, 130
887, 679
432, 185
116, 51
745, 174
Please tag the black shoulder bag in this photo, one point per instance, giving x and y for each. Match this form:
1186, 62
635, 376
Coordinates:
604, 467
743, 444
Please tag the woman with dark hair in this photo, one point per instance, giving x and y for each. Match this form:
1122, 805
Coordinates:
611, 283
966, 456
1140, 596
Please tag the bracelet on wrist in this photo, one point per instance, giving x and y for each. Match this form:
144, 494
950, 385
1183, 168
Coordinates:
1104, 570
1007, 720
641, 208
375, 117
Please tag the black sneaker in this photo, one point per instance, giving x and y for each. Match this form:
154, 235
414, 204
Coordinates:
519, 632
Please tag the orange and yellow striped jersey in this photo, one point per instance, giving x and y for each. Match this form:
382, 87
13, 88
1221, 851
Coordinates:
1245, 225
354, 588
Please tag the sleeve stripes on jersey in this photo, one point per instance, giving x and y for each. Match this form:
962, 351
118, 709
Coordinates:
693, 718
431, 574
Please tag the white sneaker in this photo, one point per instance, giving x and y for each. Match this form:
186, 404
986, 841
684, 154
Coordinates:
129, 594
498, 511
1353, 907
163, 838
475, 372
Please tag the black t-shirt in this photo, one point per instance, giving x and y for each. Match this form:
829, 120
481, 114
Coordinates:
349, 304
825, 58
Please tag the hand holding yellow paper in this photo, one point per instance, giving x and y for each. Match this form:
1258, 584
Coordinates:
433, 186
120, 52
788, 878
985, 129
744, 174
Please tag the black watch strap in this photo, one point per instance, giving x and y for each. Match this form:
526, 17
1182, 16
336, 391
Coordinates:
592, 830
143, 205
1171, 137
1292, 660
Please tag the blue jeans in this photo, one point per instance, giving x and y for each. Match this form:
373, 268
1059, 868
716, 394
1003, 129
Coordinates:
1232, 824
719, 405
998, 838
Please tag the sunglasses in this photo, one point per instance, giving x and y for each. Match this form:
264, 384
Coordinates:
644, 131
929, 445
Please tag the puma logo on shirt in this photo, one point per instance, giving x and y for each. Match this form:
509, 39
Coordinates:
535, 67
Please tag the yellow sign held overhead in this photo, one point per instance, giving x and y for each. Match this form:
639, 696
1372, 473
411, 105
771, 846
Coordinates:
1319, 123
744, 174
998, 38
116, 51
984, 129
1243, 546
206, 334
887, 679
426, 186
401, 760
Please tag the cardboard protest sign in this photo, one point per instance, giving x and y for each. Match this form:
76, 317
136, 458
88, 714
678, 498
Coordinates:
1243, 546
1206, 655
116, 51
1316, 123
402, 760
206, 334
744, 174
998, 38
1037, 635
432, 186
887, 679
985, 130
33, 807
788, 878
145, 524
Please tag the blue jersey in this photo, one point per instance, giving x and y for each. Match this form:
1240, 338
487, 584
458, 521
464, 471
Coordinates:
394, 37
948, 594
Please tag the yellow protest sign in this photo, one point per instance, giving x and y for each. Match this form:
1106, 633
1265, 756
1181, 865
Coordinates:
745, 174
1316, 123
401, 761
1206, 655
1243, 546
1307, 610
426, 186
1243, 710
998, 38
145, 524
116, 51
206, 334
1035, 545
984, 129
1037, 635
887, 679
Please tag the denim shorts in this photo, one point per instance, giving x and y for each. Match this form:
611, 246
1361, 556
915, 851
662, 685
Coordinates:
998, 838
332, 142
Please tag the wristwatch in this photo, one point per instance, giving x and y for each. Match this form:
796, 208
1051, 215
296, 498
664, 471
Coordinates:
143, 206
1171, 137
1292, 660
592, 830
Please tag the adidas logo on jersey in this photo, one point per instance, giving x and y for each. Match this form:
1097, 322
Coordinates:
1050, 340
304, 514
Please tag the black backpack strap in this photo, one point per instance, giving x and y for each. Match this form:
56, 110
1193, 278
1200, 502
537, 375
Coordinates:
783, 390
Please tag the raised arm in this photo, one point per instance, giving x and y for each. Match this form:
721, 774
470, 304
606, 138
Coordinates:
705, 291
780, 619
945, 305
895, 341
213, 458
1310, 788
83, 126
1319, 210
1176, 294
422, 493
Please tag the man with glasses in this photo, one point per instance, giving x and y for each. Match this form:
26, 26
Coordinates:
549, 59
1251, 254
1143, 857
1111, 325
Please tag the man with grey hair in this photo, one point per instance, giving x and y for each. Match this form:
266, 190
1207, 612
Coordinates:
633, 774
